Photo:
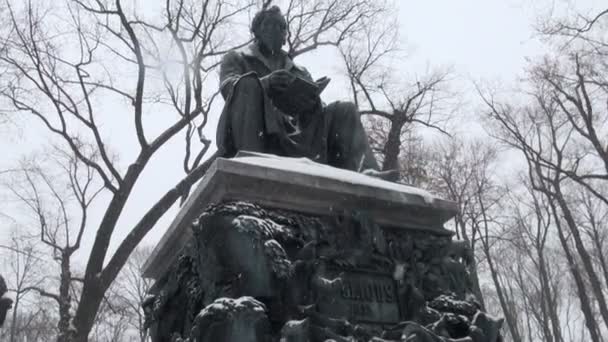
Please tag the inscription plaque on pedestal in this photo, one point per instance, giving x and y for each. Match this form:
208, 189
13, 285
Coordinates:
365, 297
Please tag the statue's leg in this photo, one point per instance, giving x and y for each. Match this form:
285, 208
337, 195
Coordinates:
348, 147
247, 115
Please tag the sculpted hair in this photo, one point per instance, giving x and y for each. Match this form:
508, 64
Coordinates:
259, 17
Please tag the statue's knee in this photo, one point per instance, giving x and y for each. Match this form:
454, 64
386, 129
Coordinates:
249, 85
349, 107
343, 110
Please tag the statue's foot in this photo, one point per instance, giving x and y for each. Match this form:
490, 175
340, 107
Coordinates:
388, 175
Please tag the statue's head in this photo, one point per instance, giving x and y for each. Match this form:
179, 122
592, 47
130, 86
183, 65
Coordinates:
270, 28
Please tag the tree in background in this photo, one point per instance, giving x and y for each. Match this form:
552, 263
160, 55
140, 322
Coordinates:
558, 126
394, 106
59, 208
36, 324
548, 222
70, 64
22, 275
130, 289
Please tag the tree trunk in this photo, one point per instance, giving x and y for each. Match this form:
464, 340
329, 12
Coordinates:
93, 290
578, 279
392, 148
14, 318
511, 321
596, 285
475, 280
533, 305
84, 323
551, 306
64, 324
598, 245
473, 266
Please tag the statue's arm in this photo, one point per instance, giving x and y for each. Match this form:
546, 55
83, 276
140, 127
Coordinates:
231, 69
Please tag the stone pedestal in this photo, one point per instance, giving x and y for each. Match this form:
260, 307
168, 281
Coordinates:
269, 248
5, 303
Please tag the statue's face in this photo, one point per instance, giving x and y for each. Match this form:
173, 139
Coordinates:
272, 32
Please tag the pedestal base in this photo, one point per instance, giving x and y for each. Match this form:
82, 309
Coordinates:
254, 273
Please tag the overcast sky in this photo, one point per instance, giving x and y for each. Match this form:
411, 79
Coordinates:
482, 40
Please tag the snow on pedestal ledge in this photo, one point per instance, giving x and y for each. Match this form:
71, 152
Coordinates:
309, 167
304, 186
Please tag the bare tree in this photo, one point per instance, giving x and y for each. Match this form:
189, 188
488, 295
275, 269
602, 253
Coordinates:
111, 323
560, 132
316, 23
592, 219
557, 152
36, 323
395, 105
416, 157
577, 26
64, 72
462, 171
24, 272
527, 225
60, 213
130, 290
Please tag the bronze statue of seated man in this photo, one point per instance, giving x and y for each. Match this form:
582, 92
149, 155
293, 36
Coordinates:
257, 117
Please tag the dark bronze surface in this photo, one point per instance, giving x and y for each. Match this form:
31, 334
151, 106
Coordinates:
313, 278
364, 297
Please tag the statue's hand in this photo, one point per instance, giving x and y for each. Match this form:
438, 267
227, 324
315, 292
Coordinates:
301, 103
305, 103
279, 80
298, 104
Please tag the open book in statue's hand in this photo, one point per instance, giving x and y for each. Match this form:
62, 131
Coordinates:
301, 96
303, 87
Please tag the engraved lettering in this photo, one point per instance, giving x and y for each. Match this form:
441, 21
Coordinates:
368, 294
365, 297
346, 291
389, 293
378, 292
368, 291
356, 291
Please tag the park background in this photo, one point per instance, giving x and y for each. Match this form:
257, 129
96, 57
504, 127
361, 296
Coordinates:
486, 68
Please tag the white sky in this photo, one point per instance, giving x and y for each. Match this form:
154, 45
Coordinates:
483, 40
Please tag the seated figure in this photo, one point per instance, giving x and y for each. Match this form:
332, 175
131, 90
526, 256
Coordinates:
252, 80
